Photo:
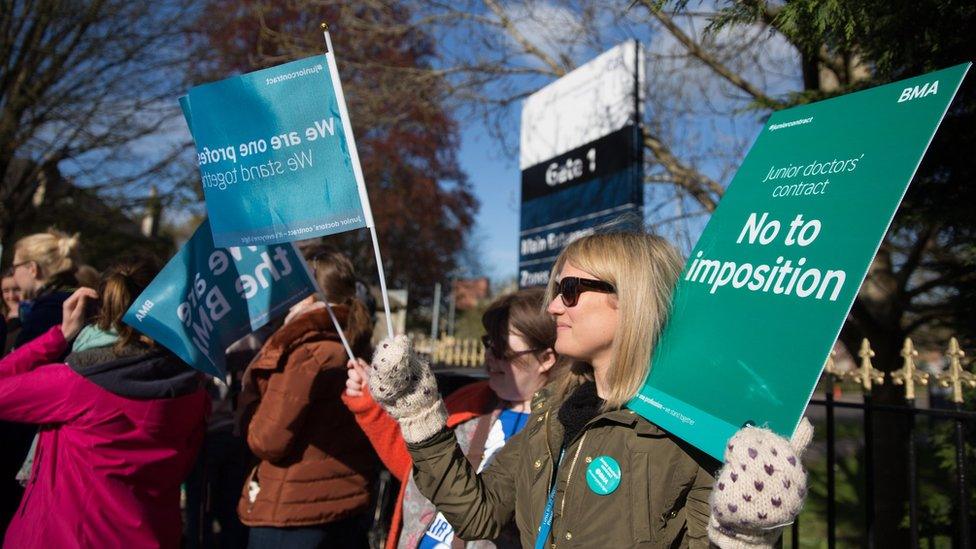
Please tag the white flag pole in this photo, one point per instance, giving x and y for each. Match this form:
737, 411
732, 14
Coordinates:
358, 171
342, 336
379, 267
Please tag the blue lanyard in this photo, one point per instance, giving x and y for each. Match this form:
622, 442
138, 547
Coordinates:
545, 527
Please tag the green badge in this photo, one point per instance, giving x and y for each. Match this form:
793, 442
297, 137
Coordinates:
603, 475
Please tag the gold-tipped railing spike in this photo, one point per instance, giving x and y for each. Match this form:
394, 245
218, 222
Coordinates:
833, 374
866, 375
466, 353
956, 376
452, 353
830, 368
908, 375
438, 350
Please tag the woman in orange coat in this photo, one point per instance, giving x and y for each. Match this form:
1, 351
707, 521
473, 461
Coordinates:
312, 485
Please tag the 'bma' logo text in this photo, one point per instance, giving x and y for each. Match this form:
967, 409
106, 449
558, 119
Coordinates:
916, 92
144, 310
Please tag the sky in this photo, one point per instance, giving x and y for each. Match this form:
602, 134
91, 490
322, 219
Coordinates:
496, 181
494, 174
716, 140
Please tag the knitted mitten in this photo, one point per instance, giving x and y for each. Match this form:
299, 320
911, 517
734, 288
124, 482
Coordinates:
760, 489
404, 386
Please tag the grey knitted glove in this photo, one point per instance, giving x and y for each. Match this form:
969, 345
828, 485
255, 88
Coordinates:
760, 489
404, 386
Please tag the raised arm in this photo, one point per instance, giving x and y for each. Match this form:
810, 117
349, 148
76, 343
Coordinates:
382, 431
45, 349
49, 394
51, 345
477, 506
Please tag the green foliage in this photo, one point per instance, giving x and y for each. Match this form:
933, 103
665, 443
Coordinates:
807, 24
862, 43
937, 472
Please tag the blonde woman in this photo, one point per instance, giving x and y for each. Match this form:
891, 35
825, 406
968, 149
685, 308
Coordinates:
588, 472
10, 307
44, 268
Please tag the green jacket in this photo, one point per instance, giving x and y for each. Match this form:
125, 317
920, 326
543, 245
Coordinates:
662, 499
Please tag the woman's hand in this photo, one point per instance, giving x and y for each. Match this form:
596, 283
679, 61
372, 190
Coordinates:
760, 489
404, 386
357, 381
73, 312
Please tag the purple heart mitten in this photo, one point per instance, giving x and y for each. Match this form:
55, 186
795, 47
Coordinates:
402, 383
760, 488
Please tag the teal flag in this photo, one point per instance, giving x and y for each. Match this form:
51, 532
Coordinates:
206, 298
276, 155
769, 284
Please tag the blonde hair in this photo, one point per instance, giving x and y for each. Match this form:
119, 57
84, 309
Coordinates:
644, 269
53, 251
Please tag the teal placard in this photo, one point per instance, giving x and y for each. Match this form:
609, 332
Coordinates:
276, 155
768, 286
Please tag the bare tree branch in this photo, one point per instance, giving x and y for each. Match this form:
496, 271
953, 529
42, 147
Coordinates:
699, 52
557, 68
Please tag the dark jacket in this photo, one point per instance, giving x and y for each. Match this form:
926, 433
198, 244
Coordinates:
12, 326
43, 311
661, 501
316, 464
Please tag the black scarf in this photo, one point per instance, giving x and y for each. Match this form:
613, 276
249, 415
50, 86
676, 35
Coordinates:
581, 406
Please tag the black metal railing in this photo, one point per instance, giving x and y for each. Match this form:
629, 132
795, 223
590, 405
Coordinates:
955, 378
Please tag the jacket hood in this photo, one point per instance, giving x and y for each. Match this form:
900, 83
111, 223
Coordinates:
136, 372
315, 324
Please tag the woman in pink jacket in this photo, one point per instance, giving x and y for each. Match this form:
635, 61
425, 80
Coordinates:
120, 422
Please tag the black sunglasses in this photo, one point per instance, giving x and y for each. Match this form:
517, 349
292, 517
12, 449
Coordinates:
507, 355
570, 287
